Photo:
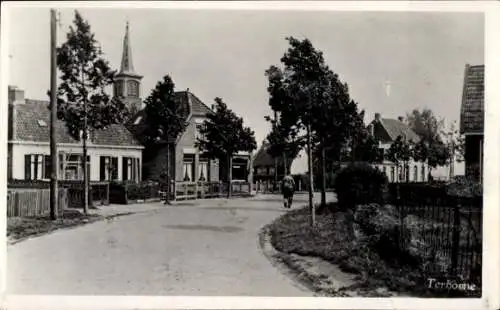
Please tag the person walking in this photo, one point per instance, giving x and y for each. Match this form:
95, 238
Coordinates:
287, 189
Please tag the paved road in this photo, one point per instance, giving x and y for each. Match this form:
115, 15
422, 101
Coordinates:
207, 247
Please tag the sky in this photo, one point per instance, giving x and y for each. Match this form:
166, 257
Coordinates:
393, 62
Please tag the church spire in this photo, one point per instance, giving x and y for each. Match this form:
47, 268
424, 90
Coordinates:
127, 66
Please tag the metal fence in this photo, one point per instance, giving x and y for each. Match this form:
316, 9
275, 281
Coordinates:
449, 234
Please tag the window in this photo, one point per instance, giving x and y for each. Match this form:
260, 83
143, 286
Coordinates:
203, 171
392, 173
130, 169
108, 168
415, 173
423, 173
261, 170
119, 89
188, 171
384, 170
34, 167
198, 134
72, 168
407, 173
132, 89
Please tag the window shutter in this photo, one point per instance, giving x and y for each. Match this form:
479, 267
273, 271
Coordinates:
114, 164
47, 166
138, 169
102, 168
125, 168
27, 167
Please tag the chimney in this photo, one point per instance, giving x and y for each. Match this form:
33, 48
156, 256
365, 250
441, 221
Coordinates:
16, 95
377, 117
401, 119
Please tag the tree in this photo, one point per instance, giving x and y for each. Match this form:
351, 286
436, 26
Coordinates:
430, 129
426, 125
305, 82
283, 141
400, 152
82, 100
455, 143
166, 121
222, 135
284, 137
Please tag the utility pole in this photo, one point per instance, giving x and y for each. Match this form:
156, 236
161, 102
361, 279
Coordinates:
53, 117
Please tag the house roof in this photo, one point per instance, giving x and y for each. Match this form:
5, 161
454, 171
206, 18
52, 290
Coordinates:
191, 105
472, 109
262, 157
31, 122
394, 128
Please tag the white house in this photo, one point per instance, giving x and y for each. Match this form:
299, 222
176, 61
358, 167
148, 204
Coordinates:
113, 153
386, 131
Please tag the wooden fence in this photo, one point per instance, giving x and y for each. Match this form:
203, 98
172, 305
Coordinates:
194, 190
32, 202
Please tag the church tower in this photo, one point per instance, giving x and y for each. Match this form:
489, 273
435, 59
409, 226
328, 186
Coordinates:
127, 84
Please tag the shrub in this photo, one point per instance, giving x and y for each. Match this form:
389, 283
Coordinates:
360, 183
383, 232
121, 192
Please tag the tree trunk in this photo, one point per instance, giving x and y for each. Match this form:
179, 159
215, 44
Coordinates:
84, 159
323, 177
275, 173
167, 199
285, 168
230, 176
310, 166
85, 171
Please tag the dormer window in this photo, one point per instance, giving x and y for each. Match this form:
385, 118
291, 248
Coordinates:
42, 123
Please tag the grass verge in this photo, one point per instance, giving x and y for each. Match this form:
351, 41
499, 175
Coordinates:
19, 229
333, 240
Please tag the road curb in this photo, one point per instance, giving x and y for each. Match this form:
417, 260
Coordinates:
275, 257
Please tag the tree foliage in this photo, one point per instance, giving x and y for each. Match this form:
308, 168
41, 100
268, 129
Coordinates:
429, 128
85, 74
164, 114
223, 134
426, 125
401, 150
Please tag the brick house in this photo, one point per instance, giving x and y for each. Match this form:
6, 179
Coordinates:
472, 120
113, 153
386, 131
264, 165
187, 162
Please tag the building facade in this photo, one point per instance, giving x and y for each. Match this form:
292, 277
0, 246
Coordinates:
113, 153
472, 121
386, 131
187, 163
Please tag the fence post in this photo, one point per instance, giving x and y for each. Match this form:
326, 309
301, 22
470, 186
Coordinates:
455, 236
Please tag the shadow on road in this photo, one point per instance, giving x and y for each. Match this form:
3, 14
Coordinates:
223, 229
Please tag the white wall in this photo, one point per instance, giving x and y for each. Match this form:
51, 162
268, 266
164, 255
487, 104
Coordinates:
19, 150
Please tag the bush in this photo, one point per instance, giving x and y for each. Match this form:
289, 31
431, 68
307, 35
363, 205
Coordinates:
121, 192
384, 232
360, 183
